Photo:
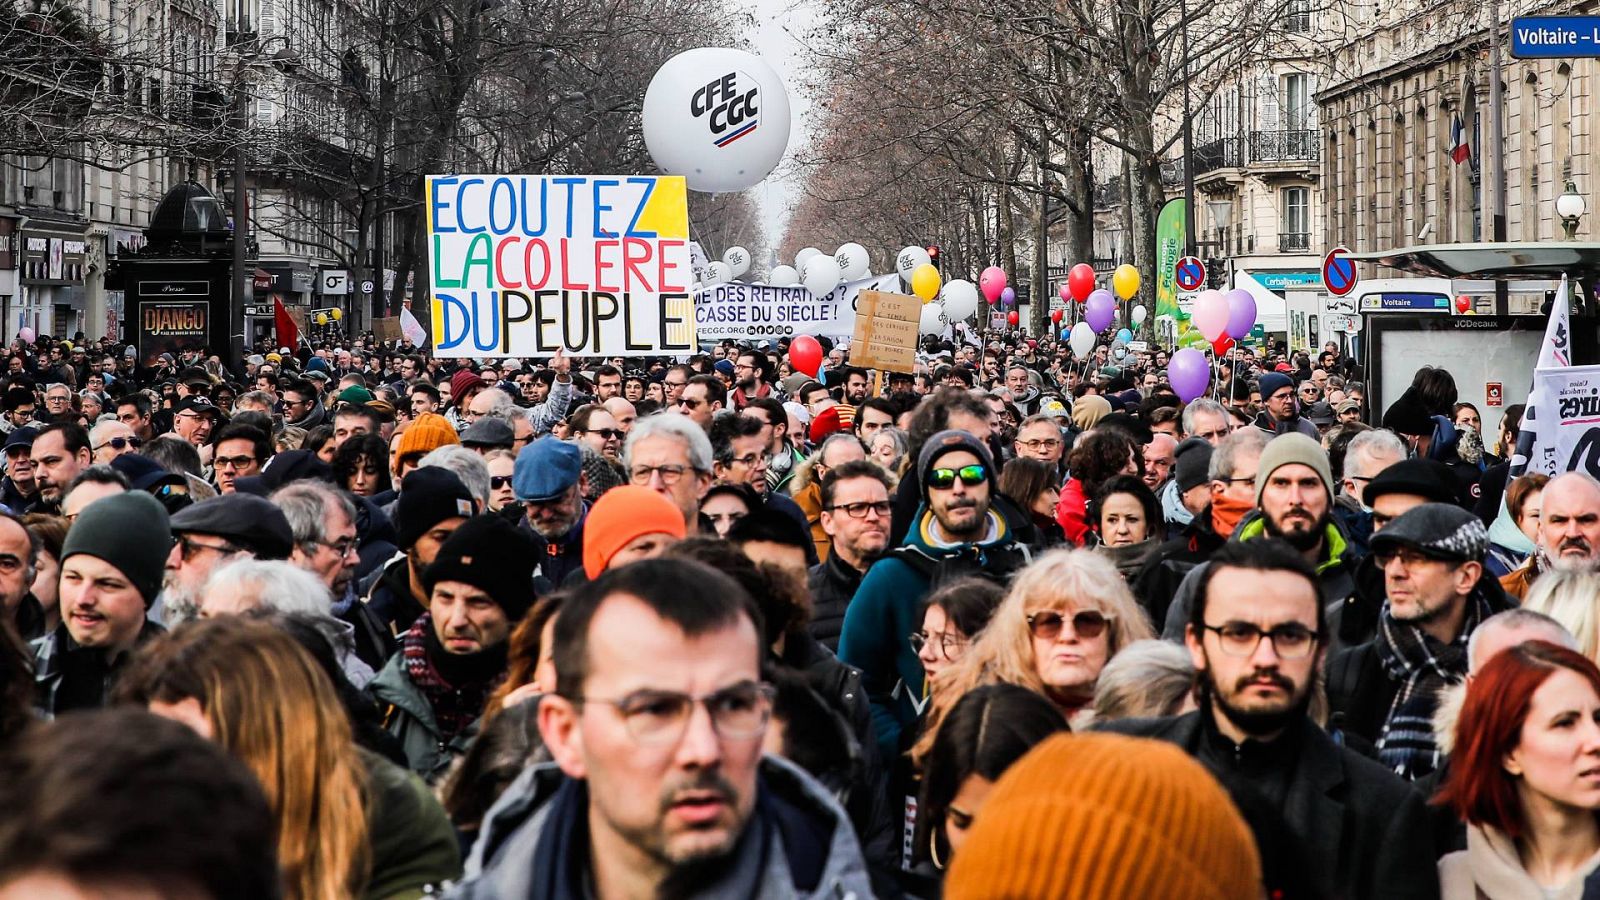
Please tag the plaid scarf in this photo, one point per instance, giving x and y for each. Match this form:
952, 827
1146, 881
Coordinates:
1424, 667
455, 707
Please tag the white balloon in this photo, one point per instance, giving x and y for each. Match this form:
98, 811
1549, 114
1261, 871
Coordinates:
853, 260
804, 256
1139, 313
960, 299
908, 261
932, 321
821, 275
738, 259
783, 276
717, 273
717, 116
1082, 340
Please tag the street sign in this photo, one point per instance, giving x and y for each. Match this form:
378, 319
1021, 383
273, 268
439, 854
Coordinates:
1343, 323
1338, 272
1190, 273
335, 281
1555, 37
366, 287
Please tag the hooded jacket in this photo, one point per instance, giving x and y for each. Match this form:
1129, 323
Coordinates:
409, 717
797, 841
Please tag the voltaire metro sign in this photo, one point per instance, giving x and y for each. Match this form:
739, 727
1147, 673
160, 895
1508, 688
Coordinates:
1555, 37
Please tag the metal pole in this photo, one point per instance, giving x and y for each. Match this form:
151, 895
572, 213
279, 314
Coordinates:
232, 355
1188, 140
1496, 141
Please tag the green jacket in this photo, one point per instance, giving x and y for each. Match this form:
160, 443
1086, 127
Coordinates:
407, 716
414, 847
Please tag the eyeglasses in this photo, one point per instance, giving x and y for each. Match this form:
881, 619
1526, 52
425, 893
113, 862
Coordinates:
669, 474
1289, 641
950, 645
235, 462
691, 403
860, 510
610, 434
1247, 479
1087, 624
1041, 444
496, 482
192, 548
739, 712
1408, 557
343, 547
971, 476
749, 460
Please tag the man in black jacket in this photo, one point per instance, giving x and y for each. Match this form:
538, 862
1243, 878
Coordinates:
1256, 634
855, 514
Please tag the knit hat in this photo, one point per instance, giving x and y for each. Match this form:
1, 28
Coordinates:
463, 381
492, 555
1273, 382
130, 531
1287, 449
1192, 463
1088, 410
619, 516
1088, 816
425, 434
725, 366
1439, 530
949, 441
428, 496
1427, 478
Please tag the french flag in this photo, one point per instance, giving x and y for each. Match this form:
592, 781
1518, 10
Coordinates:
1460, 150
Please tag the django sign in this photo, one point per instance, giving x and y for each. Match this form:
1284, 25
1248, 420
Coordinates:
730, 106
172, 326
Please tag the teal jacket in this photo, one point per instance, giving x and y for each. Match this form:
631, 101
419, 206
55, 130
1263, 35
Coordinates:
878, 623
408, 716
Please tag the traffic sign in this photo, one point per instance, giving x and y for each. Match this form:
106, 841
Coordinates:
1555, 37
1191, 273
1338, 272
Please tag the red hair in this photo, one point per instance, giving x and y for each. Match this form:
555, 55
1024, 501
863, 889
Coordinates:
1477, 787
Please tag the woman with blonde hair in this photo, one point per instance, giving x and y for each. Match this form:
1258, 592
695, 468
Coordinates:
1064, 617
1569, 598
252, 689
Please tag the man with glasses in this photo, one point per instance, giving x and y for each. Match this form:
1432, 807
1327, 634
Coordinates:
58, 402
212, 533
750, 371
672, 456
1039, 437
302, 406
739, 456
20, 489
1388, 688
675, 380
241, 451
323, 521
855, 516
593, 425
659, 785
957, 533
1280, 413
19, 407
702, 398
194, 418
1256, 636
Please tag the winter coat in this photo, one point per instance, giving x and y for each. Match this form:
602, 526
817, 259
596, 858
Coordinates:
833, 582
1273, 427
1158, 581
529, 848
51, 651
1363, 828
409, 717
1491, 869
413, 845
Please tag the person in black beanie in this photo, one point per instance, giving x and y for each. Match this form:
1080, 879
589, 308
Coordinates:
433, 504
479, 586
112, 565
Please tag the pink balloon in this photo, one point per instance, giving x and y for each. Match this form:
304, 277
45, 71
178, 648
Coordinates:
26, 334
1066, 295
992, 281
1189, 373
1211, 315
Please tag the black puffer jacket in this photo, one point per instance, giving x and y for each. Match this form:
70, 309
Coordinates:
832, 583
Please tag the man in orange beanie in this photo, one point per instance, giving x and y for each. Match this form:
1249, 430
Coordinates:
426, 433
627, 524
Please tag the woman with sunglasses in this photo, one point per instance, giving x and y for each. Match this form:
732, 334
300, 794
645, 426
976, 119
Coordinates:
1063, 618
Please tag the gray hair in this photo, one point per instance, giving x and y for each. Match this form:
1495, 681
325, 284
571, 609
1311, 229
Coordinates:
1145, 679
501, 404
97, 434
275, 585
1249, 441
51, 387
305, 504
517, 414
1367, 444
467, 465
1201, 405
261, 397
173, 453
671, 425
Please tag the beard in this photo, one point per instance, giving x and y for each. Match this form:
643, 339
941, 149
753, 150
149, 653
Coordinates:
976, 526
1300, 540
1259, 721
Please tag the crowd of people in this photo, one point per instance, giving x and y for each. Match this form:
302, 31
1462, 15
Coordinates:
357, 621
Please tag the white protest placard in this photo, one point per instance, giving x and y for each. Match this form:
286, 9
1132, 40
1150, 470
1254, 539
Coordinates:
524, 265
1569, 421
753, 312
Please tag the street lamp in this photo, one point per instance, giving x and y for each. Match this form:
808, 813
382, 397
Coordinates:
1570, 207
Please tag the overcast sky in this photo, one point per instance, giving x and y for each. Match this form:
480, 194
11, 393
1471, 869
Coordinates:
780, 24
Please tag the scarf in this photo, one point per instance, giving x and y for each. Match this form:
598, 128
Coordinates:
455, 696
1227, 513
1423, 667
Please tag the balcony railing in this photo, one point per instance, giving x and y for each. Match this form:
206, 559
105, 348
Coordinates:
1227, 153
1285, 146
1294, 242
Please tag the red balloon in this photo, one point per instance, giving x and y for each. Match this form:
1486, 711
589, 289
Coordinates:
1056, 315
1080, 281
1463, 304
1222, 345
805, 354
1013, 318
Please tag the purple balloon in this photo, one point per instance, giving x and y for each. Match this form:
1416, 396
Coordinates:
1100, 310
1008, 296
1241, 313
1189, 373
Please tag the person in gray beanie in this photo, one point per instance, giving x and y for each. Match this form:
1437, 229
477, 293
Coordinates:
111, 570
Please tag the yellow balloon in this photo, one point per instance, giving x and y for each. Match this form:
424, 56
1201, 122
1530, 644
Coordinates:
925, 282
1125, 281
322, 318
337, 314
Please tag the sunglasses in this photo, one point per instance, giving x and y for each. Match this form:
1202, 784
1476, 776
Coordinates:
1087, 624
496, 482
121, 443
971, 476
610, 434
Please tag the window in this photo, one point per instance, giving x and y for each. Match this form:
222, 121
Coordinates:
1296, 102
1295, 234
1297, 16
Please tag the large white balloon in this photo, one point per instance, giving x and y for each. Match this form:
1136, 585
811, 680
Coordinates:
804, 256
738, 259
1082, 340
908, 261
853, 260
783, 276
960, 299
821, 275
932, 321
717, 116
718, 273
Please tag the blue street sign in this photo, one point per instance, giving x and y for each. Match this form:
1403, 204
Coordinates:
1338, 272
1407, 302
1191, 274
1555, 37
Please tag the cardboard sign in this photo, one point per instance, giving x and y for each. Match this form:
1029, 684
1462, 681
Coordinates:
387, 328
886, 332
525, 265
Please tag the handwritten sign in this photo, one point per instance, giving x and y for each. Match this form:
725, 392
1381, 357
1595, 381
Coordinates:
755, 312
886, 332
524, 265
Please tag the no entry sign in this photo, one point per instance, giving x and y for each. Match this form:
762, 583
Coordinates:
1338, 272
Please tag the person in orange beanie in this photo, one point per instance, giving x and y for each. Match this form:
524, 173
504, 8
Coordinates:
426, 433
1092, 816
627, 524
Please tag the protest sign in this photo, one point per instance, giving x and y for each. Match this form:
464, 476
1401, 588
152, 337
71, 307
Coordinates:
387, 328
524, 265
1568, 440
885, 336
738, 311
